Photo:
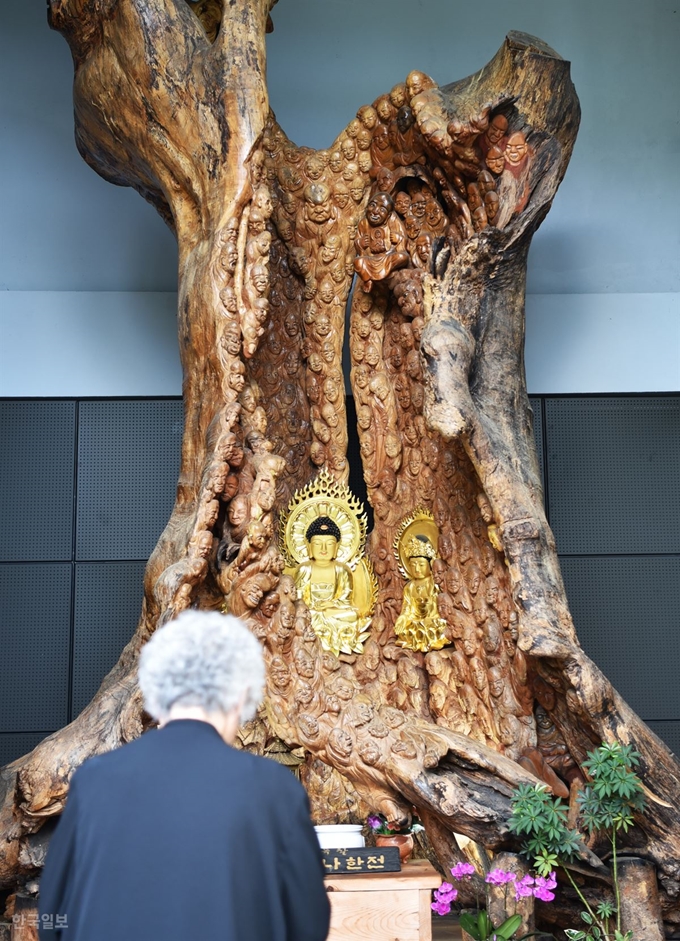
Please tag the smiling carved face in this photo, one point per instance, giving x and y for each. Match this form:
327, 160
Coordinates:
378, 209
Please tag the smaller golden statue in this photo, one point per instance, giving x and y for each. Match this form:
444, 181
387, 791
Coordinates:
323, 534
419, 626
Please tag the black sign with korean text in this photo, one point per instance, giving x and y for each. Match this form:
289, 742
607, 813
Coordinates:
362, 859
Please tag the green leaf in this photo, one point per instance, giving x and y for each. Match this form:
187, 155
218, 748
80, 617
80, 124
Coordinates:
574, 935
509, 927
587, 917
469, 923
605, 910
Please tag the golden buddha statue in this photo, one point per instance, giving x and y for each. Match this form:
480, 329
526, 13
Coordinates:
419, 626
322, 538
326, 585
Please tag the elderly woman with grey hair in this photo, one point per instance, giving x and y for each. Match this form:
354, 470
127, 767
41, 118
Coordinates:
177, 835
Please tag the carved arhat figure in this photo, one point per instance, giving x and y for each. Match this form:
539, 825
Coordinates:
381, 241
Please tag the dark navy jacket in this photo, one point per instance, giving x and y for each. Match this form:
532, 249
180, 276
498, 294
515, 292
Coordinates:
179, 837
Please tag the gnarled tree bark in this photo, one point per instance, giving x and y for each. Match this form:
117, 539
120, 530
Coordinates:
171, 99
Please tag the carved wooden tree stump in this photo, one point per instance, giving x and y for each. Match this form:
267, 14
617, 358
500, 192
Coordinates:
471, 679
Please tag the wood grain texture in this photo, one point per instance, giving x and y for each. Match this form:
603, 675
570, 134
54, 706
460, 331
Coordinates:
383, 906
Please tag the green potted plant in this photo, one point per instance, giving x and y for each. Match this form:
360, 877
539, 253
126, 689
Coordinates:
607, 803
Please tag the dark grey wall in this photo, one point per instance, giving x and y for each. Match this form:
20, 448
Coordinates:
87, 486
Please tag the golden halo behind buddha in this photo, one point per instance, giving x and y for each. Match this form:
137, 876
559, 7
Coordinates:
323, 496
418, 523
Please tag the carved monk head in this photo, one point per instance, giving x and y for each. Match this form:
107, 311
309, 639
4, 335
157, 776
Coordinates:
497, 129
260, 278
398, 95
379, 208
495, 160
318, 202
384, 109
424, 247
516, 149
496, 682
402, 202
419, 205
340, 744
356, 189
335, 161
279, 672
237, 379
340, 194
418, 82
348, 148
364, 138
364, 417
314, 167
434, 214
405, 119
331, 249
491, 204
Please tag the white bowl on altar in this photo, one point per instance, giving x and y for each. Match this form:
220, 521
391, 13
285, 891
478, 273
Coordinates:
339, 836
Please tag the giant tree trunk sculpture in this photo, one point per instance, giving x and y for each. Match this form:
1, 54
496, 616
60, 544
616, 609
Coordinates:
469, 678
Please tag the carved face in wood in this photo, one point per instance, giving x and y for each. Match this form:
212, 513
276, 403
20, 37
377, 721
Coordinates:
516, 149
318, 203
378, 209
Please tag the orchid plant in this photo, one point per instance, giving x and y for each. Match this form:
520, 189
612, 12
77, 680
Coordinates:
479, 926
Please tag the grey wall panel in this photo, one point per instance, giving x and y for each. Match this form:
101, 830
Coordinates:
668, 732
14, 745
36, 480
35, 610
627, 616
613, 472
535, 403
108, 598
128, 456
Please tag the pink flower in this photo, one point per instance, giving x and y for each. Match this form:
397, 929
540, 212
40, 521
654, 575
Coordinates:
543, 894
441, 908
446, 892
462, 870
543, 887
374, 822
500, 877
524, 887
443, 897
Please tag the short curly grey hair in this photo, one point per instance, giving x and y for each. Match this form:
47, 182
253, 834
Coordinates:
204, 659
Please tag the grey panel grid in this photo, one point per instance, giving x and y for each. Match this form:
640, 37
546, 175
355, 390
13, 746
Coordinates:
627, 616
14, 745
108, 598
668, 732
36, 480
535, 403
128, 458
613, 471
35, 614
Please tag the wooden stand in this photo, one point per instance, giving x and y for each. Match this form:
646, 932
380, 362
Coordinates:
382, 906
